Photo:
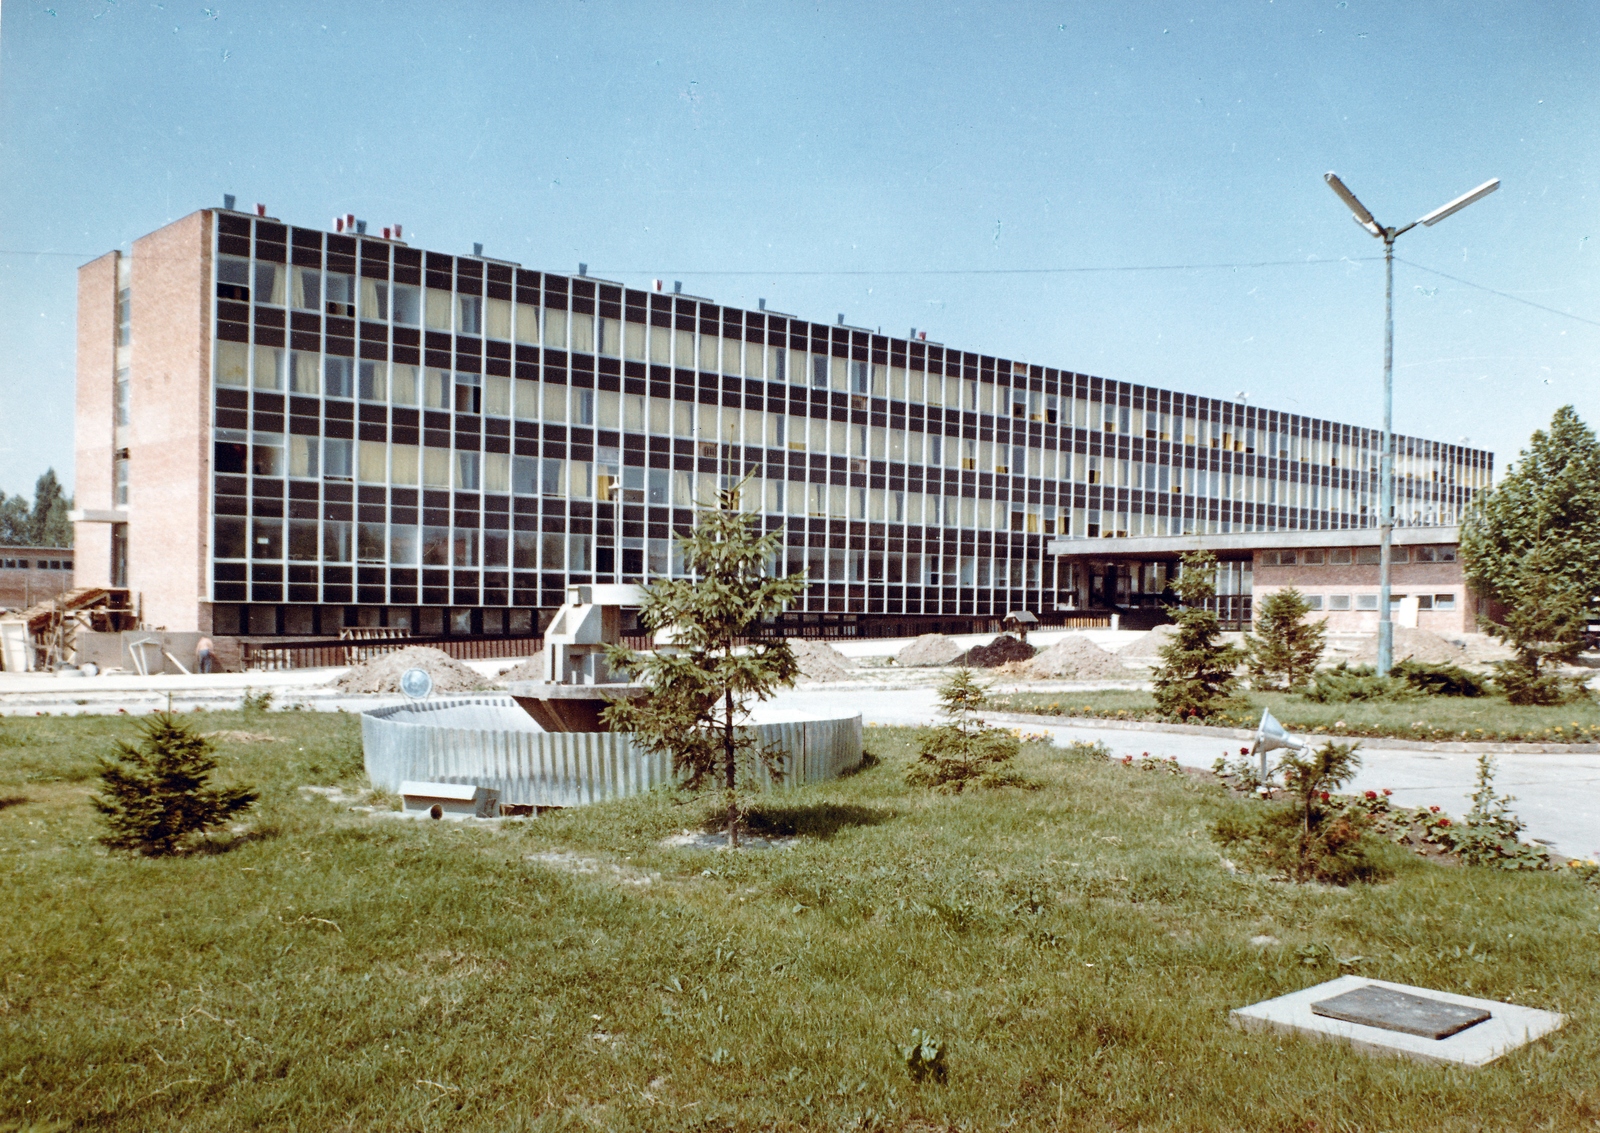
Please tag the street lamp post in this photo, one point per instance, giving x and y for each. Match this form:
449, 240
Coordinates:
1386, 457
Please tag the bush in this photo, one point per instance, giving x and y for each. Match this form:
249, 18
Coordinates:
1440, 679
1311, 838
1489, 833
155, 796
1529, 684
1345, 683
964, 750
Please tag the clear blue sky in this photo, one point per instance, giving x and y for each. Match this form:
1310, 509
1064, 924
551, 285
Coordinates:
684, 141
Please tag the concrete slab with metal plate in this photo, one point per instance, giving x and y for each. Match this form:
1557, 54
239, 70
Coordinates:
448, 800
1378, 1017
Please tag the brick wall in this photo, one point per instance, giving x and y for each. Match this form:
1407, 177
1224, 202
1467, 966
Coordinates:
23, 585
170, 467
1407, 578
95, 422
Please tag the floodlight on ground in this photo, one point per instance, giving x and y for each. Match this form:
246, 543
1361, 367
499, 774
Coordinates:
1460, 203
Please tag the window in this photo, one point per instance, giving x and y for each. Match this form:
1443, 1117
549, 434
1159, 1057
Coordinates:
407, 305
120, 398
266, 454
303, 457
1444, 601
469, 314
375, 300
403, 544
372, 384
435, 546
120, 476
438, 309
336, 377
497, 318
266, 540
373, 457
336, 459
469, 393
1424, 601
1367, 555
303, 540
228, 539
1366, 601
437, 388
335, 541
340, 298
1338, 601
465, 546
1340, 556
1314, 601
305, 291
819, 372
1313, 558
125, 316
467, 471
233, 282
233, 364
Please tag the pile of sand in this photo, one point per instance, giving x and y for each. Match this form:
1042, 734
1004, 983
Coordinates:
1075, 657
1001, 650
929, 649
819, 661
1149, 646
382, 673
1416, 645
530, 670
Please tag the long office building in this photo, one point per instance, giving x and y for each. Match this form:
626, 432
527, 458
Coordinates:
289, 431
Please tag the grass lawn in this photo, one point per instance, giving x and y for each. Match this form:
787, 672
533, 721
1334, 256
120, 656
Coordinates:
1446, 718
1078, 947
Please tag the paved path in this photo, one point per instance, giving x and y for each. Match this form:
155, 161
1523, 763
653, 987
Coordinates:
1558, 796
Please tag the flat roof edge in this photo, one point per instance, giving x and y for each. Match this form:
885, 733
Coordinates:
1247, 541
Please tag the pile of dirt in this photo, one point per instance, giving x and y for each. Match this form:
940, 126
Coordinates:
1416, 645
531, 670
1075, 657
929, 649
819, 661
999, 651
1149, 646
382, 673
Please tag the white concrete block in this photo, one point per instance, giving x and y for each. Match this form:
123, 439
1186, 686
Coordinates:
1508, 1027
448, 800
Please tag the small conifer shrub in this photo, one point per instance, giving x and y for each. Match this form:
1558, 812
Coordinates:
156, 794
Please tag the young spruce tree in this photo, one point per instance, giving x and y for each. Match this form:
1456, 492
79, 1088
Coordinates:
1195, 676
1285, 649
156, 794
964, 750
701, 687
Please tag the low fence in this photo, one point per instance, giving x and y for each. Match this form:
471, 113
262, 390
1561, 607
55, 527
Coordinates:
488, 741
259, 657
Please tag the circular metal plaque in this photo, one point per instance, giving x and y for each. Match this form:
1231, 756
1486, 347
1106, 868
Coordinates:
416, 683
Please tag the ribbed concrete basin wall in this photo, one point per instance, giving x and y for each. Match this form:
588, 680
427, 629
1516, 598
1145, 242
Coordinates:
489, 741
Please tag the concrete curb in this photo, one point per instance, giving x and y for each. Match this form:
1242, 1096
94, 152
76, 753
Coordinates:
1250, 735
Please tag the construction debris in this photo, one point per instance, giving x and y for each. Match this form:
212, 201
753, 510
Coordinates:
382, 673
929, 649
998, 652
1075, 657
819, 661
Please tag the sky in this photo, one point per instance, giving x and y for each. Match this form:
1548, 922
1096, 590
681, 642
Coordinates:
1133, 191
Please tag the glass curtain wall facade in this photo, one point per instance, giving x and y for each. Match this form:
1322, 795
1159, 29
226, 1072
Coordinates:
455, 439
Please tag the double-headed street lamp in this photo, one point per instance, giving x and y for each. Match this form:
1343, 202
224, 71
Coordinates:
1386, 458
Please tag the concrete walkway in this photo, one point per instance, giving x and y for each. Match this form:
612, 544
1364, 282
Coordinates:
1558, 796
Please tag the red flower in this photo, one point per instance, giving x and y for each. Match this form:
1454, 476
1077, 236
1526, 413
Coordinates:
1444, 822
1434, 809
1324, 796
1127, 759
1372, 795
1244, 751
1387, 792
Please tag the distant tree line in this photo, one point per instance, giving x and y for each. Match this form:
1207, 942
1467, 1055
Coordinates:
43, 523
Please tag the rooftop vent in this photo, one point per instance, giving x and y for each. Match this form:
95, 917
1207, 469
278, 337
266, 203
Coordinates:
841, 320
477, 249
583, 269
361, 227
656, 285
228, 201
761, 303
677, 287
